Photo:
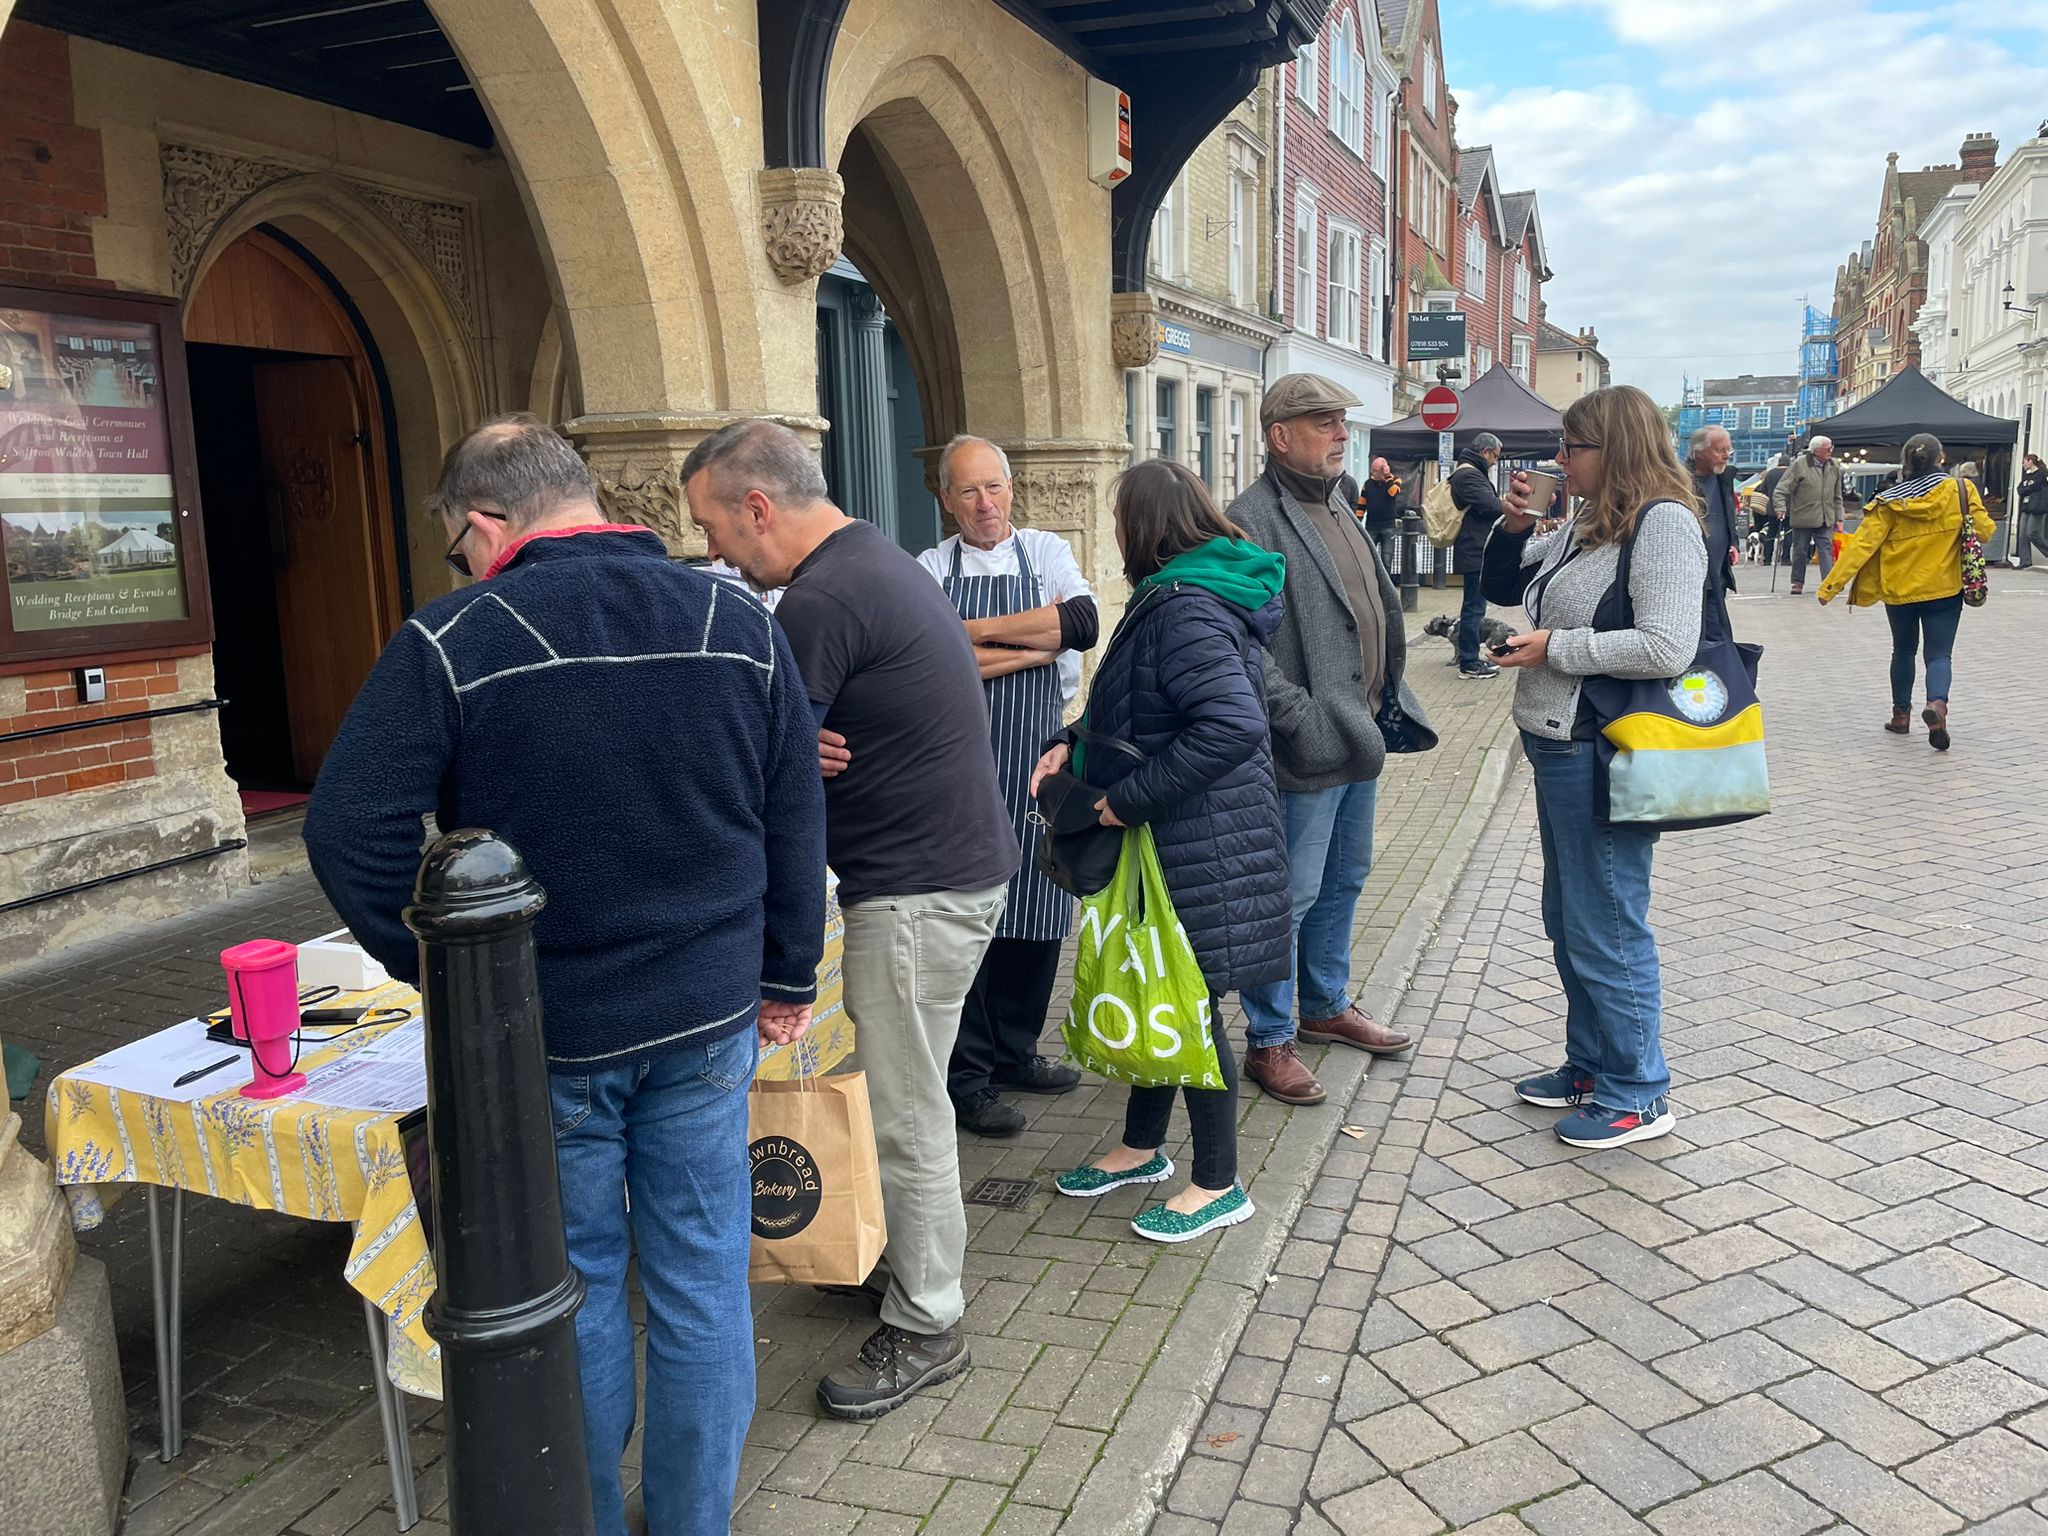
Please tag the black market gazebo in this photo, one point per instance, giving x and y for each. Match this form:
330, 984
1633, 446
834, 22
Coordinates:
1528, 426
1911, 402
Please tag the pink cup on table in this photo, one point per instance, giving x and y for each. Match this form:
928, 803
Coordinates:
263, 996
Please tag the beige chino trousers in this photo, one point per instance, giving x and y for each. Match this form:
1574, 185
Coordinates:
907, 965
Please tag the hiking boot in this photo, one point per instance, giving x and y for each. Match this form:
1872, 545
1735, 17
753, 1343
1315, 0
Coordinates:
1479, 669
1353, 1027
892, 1366
987, 1113
1598, 1126
1041, 1075
1281, 1074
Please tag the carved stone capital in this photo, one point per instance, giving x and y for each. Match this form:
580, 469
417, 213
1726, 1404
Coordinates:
1133, 329
637, 461
801, 220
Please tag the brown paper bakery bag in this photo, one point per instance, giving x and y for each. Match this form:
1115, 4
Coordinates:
817, 1185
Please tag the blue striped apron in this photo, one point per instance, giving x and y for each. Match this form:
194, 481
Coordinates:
1024, 710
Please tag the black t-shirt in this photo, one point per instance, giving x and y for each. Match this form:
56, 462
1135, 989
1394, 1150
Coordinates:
885, 655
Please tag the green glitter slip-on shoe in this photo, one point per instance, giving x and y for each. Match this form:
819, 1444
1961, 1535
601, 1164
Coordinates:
1164, 1225
1088, 1180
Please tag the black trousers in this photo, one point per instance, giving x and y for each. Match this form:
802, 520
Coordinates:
1212, 1116
1004, 1013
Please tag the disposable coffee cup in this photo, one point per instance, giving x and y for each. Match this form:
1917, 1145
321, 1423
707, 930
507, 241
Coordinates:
1542, 490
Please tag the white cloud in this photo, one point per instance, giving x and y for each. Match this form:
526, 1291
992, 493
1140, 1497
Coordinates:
1692, 203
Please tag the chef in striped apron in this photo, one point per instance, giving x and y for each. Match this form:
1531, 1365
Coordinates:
1030, 614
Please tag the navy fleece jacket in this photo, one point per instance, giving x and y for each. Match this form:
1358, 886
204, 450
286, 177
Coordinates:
639, 733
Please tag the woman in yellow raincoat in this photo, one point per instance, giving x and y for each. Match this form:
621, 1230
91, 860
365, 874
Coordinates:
1908, 555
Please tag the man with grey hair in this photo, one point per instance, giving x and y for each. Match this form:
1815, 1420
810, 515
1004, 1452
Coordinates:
915, 829
1708, 453
1809, 499
1473, 494
640, 735
1030, 613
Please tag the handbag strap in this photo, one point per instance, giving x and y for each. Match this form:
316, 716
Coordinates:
1115, 743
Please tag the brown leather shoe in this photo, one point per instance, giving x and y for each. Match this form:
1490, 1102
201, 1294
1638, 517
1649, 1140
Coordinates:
1900, 724
1281, 1074
1353, 1027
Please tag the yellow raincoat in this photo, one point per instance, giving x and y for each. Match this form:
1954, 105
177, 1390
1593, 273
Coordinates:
1908, 550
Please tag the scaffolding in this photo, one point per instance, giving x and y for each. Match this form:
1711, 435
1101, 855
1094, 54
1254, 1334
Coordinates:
1819, 367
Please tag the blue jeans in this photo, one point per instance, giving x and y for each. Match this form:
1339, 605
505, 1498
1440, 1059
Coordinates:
1329, 854
1936, 621
672, 1135
1470, 613
1596, 910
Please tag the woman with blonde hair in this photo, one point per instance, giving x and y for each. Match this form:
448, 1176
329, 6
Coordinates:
1618, 459
1907, 554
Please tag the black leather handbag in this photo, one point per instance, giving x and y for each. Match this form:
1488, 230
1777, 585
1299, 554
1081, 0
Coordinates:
1076, 852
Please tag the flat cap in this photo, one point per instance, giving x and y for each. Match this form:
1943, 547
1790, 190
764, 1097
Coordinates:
1303, 394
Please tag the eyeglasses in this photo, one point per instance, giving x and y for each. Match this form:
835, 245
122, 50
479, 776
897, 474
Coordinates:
458, 562
1571, 448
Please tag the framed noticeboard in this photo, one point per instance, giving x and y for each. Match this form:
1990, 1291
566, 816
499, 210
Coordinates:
99, 506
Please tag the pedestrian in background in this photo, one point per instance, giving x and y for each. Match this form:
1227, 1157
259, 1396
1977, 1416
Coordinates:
1473, 493
1908, 556
1336, 658
1182, 682
1029, 614
1769, 518
1713, 484
1618, 459
685, 905
1379, 503
1809, 499
2033, 510
916, 831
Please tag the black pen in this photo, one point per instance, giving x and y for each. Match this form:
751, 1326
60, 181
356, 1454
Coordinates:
198, 1072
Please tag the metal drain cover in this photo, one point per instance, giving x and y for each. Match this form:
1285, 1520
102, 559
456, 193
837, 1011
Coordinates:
1004, 1194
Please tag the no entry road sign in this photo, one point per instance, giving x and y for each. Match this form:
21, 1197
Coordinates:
1440, 408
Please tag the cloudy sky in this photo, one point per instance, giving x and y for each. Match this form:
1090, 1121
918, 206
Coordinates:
1703, 170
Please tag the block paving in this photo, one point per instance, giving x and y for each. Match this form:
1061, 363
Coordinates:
1820, 1305
1096, 1354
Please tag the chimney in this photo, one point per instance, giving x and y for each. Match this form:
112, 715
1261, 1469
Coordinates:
1542, 309
1980, 155
1591, 338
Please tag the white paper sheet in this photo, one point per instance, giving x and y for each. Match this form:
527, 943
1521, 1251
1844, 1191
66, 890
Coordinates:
389, 1074
153, 1064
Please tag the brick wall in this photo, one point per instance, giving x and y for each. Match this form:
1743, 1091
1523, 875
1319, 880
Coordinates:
52, 176
1345, 187
94, 755
1423, 137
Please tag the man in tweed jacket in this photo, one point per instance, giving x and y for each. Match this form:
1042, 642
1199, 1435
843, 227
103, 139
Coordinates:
1338, 656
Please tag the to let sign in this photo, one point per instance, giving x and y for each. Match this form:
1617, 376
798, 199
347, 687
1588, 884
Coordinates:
1440, 408
1435, 336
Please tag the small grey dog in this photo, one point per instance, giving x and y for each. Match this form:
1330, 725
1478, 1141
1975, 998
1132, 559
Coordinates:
1445, 626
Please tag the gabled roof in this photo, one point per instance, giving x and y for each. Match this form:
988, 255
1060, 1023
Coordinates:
1393, 19
1519, 211
1751, 386
1477, 178
1555, 338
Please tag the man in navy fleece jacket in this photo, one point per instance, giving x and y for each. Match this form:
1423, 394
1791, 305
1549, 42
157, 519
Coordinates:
639, 733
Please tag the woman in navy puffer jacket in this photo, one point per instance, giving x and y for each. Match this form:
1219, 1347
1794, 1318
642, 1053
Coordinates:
1182, 682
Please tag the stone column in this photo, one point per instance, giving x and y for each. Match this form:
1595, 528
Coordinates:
871, 488
637, 461
63, 1419
1064, 484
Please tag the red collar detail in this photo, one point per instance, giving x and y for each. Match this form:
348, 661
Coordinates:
511, 551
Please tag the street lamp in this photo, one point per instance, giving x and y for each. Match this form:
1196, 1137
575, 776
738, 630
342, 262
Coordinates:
2016, 308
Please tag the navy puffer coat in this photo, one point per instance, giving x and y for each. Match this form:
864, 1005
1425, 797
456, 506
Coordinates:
1183, 684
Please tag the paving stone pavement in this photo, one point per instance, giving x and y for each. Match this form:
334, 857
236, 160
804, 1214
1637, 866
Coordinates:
1822, 1303
1096, 1353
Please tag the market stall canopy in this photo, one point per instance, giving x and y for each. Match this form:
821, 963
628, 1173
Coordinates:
1912, 403
1528, 426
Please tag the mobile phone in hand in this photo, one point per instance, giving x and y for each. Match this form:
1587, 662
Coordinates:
1505, 648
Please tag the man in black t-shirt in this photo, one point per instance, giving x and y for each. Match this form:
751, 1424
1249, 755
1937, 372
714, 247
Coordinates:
915, 828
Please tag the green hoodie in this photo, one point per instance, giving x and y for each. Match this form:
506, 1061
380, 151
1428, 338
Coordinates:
1236, 570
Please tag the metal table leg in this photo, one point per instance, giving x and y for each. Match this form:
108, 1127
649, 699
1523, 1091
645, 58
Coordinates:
391, 1409
165, 1296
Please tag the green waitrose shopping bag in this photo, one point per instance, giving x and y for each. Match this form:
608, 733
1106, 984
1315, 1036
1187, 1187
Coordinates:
1140, 1012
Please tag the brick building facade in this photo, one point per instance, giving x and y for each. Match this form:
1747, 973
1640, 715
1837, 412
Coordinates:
1501, 268
1425, 170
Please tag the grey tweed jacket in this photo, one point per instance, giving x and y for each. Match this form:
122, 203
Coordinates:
1323, 729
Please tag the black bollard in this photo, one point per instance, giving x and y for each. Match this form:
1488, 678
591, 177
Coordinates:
1411, 578
504, 1307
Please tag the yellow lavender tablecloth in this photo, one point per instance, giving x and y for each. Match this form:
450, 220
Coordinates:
323, 1163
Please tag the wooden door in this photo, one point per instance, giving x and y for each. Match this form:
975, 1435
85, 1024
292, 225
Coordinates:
323, 541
